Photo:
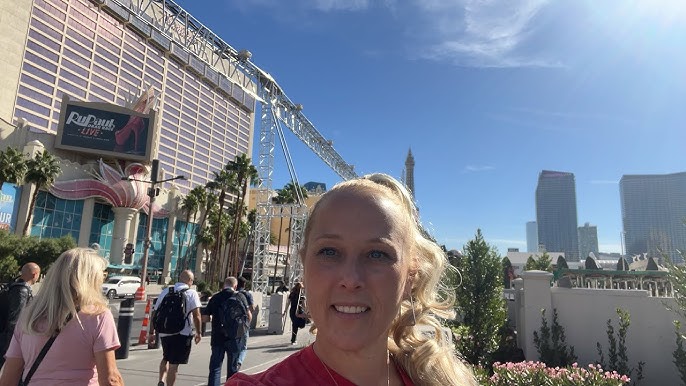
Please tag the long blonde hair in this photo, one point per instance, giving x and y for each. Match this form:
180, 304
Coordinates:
428, 360
73, 283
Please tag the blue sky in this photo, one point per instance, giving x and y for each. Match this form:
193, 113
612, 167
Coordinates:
486, 93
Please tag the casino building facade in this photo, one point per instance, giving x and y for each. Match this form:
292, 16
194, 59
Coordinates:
117, 53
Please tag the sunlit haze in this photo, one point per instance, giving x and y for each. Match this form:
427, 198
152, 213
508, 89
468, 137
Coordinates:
486, 94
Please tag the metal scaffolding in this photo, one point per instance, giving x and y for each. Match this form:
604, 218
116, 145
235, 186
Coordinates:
181, 36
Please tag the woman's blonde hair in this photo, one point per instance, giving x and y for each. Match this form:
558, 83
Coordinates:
73, 283
429, 359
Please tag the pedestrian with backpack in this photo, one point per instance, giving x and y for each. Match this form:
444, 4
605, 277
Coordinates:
174, 316
13, 299
251, 307
230, 315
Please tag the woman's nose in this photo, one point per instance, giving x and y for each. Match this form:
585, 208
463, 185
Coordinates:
351, 274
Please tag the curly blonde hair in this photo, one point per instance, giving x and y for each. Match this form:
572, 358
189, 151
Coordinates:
73, 283
428, 359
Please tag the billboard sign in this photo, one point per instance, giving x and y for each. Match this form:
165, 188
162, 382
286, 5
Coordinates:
105, 130
9, 206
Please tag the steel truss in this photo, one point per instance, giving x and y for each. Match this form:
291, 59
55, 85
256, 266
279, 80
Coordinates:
176, 32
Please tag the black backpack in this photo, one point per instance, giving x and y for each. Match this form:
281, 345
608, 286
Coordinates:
171, 316
4, 305
5, 302
233, 317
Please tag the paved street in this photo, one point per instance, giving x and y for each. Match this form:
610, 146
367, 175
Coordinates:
141, 366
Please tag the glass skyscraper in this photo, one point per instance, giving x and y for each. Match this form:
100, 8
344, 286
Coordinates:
531, 237
653, 214
588, 240
556, 213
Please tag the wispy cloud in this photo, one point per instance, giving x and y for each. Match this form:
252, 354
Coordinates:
471, 33
484, 33
477, 168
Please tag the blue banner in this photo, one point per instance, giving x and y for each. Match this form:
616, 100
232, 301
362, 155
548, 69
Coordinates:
9, 206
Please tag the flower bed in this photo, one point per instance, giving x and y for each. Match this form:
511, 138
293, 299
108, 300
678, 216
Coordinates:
536, 373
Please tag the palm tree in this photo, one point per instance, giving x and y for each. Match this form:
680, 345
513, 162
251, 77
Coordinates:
246, 174
189, 206
252, 220
42, 171
199, 194
205, 240
12, 166
208, 201
224, 181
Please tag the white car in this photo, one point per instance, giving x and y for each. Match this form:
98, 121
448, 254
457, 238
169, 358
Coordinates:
120, 286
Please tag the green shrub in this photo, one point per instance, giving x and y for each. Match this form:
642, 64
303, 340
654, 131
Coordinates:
9, 269
23, 250
617, 356
551, 343
680, 353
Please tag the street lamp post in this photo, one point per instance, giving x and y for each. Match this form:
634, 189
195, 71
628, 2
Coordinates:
153, 191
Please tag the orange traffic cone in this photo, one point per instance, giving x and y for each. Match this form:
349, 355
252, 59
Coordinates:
143, 337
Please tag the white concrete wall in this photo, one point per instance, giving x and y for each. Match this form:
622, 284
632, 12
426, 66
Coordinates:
584, 313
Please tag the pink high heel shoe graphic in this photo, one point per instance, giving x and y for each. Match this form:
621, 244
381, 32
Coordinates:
136, 127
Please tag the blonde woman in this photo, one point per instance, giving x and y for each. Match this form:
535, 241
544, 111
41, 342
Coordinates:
372, 280
70, 306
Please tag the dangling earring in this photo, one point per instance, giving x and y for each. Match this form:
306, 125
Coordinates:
414, 317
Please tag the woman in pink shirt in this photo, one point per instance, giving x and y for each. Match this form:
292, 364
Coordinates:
70, 305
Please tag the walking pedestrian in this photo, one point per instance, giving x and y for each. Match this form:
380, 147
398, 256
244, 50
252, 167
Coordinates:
175, 315
18, 295
228, 310
251, 306
295, 311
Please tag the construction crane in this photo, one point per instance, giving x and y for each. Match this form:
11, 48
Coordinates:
181, 35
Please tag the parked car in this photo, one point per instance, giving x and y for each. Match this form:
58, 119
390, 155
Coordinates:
120, 286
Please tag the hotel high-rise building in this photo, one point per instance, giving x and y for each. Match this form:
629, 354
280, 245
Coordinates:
201, 118
653, 214
556, 213
588, 240
531, 237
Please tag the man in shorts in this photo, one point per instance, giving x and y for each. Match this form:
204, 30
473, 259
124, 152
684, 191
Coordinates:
176, 348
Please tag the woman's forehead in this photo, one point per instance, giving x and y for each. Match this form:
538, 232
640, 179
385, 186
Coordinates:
361, 199
350, 208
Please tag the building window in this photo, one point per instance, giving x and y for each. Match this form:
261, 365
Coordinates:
54, 217
101, 228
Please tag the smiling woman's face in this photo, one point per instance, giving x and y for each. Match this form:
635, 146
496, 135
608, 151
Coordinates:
356, 266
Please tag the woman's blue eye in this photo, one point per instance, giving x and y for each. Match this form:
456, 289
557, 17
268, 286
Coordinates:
377, 254
327, 252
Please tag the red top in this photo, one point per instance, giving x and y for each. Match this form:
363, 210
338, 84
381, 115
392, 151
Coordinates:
302, 368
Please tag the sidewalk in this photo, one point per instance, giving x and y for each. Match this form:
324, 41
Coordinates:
264, 350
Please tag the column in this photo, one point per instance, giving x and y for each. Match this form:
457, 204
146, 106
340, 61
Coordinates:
120, 235
200, 252
172, 203
31, 149
86, 222
536, 288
